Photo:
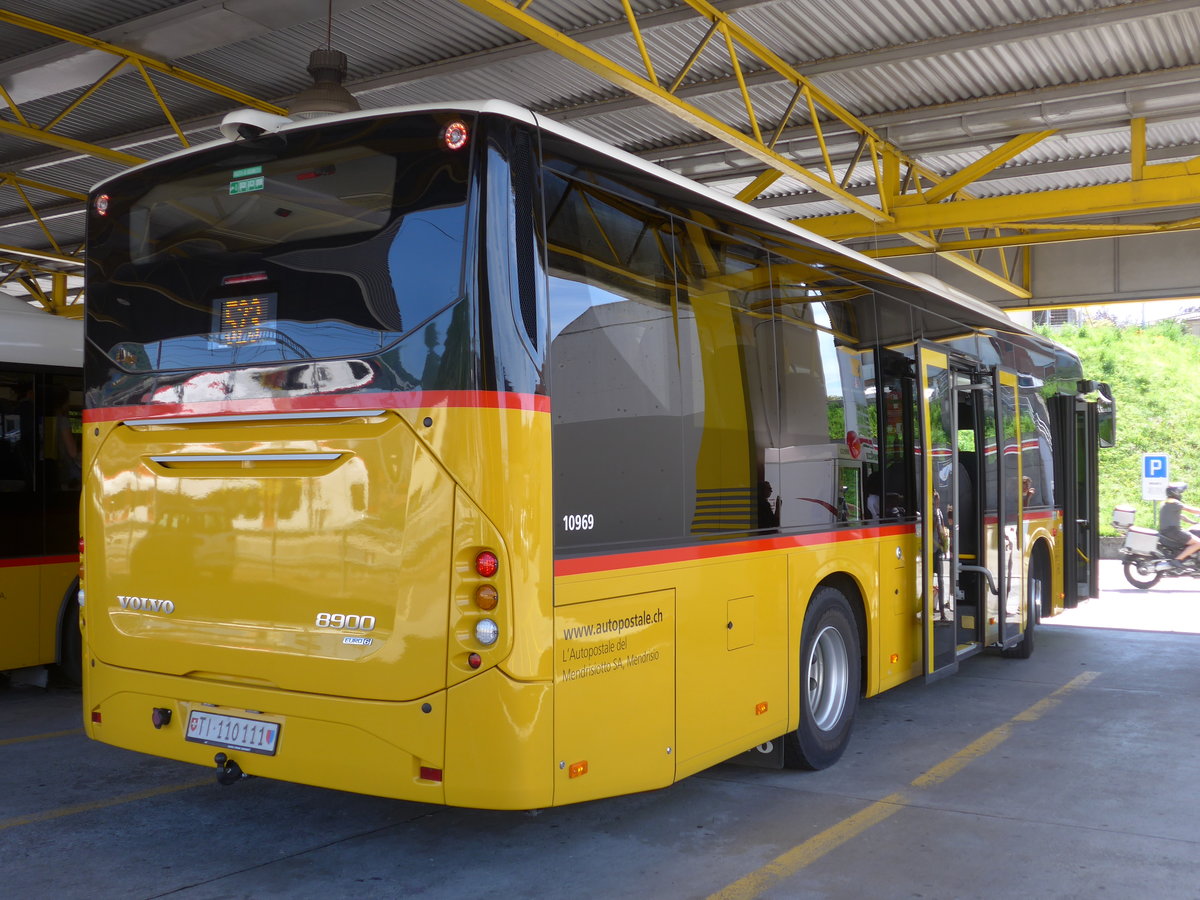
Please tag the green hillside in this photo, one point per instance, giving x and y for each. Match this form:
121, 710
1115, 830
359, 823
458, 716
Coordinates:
1155, 376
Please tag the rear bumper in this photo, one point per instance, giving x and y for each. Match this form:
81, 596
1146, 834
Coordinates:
489, 736
364, 746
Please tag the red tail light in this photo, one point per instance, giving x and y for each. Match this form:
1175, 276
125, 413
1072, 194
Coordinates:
455, 135
487, 564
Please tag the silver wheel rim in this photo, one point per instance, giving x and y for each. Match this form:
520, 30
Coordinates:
828, 677
1035, 597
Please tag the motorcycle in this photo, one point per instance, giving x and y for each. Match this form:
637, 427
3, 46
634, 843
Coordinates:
1146, 560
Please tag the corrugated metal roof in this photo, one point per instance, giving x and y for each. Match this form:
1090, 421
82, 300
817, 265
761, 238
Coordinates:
948, 80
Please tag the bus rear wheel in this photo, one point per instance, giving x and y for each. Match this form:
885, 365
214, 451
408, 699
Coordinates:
70, 641
830, 678
1037, 591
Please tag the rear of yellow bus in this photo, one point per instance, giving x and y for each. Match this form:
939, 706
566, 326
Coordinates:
315, 520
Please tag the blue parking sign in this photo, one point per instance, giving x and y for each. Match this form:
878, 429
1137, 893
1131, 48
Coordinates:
1155, 472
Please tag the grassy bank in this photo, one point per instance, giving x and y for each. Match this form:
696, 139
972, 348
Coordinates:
1155, 376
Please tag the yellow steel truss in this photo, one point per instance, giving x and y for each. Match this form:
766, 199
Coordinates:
762, 125
21, 187
123, 59
27, 266
59, 299
934, 213
808, 110
24, 262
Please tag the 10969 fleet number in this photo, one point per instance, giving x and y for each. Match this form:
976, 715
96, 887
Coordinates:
584, 522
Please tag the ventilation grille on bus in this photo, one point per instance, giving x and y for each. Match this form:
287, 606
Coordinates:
725, 509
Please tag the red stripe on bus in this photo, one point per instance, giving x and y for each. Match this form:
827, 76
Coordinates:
590, 564
38, 561
325, 403
1037, 514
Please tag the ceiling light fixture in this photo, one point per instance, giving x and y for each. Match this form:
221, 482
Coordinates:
327, 96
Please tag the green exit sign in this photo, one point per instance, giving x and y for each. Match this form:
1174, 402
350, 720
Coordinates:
246, 185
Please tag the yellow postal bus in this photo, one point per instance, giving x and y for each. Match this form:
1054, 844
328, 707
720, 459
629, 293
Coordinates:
449, 455
41, 394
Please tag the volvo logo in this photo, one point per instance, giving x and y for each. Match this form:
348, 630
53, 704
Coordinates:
147, 604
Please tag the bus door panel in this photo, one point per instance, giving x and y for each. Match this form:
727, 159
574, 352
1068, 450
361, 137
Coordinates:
1008, 613
940, 485
985, 539
973, 520
1086, 488
1076, 429
986, 534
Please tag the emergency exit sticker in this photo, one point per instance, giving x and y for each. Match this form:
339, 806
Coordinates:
246, 185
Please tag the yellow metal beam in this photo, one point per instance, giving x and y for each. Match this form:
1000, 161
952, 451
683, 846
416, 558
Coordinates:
976, 268
17, 180
1137, 148
982, 166
1172, 190
758, 185
1032, 233
63, 142
23, 253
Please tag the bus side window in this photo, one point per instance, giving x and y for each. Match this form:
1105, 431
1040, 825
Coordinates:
827, 441
20, 514
617, 417
730, 384
61, 460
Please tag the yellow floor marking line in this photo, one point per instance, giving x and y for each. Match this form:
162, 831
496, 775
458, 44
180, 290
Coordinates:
52, 814
41, 737
792, 861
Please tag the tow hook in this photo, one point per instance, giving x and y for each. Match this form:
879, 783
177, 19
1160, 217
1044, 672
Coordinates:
228, 771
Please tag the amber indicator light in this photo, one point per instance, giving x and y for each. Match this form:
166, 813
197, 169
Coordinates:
486, 597
577, 769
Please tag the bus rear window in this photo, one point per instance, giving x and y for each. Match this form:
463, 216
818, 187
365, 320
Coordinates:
328, 242
336, 193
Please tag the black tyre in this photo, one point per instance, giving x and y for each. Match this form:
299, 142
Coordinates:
830, 678
1141, 581
70, 641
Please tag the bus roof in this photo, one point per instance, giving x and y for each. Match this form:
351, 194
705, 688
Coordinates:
31, 337
978, 309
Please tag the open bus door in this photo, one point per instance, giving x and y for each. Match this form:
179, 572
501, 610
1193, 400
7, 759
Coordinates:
971, 508
1083, 423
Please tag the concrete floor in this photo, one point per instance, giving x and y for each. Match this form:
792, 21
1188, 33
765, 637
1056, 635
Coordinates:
1072, 774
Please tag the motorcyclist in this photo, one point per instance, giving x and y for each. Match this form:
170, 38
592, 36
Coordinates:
1173, 536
